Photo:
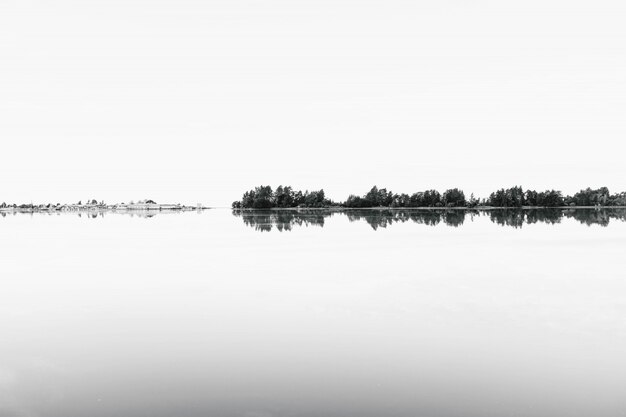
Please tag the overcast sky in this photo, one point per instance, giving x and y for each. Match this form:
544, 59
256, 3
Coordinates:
196, 101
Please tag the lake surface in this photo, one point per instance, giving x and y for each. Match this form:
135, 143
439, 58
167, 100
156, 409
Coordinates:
283, 313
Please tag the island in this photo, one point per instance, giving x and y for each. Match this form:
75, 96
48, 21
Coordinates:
285, 197
94, 206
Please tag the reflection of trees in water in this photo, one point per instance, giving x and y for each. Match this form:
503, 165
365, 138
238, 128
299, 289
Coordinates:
282, 220
427, 217
548, 215
511, 218
454, 218
376, 218
601, 217
286, 220
517, 218
384, 218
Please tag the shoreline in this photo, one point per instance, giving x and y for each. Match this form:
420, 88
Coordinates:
126, 208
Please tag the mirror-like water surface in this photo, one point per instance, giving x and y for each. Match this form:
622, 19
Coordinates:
356, 313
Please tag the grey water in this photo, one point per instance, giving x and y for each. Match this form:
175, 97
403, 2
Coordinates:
313, 313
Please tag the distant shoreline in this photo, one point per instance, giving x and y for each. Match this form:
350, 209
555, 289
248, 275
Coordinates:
82, 208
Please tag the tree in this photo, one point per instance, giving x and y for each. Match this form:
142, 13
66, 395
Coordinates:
550, 198
298, 198
417, 200
431, 198
283, 197
354, 201
531, 197
454, 198
372, 197
263, 197
402, 200
590, 197
472, 202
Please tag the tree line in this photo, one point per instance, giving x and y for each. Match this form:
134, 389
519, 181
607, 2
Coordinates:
264, 197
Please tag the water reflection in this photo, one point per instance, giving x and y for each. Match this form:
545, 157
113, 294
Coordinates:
384, 218
282, 220
518, 218
95, 213
286, 220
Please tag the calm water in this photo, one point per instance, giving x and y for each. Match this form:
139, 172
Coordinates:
364, 313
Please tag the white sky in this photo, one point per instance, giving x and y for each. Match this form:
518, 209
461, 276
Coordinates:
197, 101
